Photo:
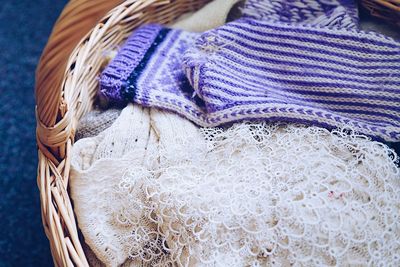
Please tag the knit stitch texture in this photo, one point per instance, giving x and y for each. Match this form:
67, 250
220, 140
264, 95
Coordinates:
148, 71
320, 70
333, 13
95, 122
155, 190
289, 72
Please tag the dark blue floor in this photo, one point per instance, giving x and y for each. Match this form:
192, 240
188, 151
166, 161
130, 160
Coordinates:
24, 29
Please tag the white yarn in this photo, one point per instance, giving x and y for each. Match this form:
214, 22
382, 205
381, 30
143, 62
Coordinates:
99, 163
251, 195
153, 190
95, 164
210, 16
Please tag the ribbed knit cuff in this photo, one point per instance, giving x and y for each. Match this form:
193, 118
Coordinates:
117, 82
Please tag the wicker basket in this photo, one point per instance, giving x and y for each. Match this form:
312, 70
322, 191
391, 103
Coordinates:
66, 85
388, 10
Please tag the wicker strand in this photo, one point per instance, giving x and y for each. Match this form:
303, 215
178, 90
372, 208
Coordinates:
78, 17
66, 84
388, 10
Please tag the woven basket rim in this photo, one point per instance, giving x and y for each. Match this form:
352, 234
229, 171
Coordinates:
387, 10
63, 99
66, 87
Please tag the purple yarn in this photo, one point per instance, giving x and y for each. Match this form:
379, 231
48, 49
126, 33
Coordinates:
313, 67
268, 70
332, 13
117, 72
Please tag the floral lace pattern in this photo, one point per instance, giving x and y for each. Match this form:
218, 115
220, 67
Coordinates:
265, 195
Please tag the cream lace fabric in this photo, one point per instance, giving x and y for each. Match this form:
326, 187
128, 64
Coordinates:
250, 195
154, 190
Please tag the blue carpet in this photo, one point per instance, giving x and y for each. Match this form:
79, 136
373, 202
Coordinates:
24, 28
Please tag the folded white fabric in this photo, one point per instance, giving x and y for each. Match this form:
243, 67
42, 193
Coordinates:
103, 208
95, 164
251, 195
154, 190
212, 15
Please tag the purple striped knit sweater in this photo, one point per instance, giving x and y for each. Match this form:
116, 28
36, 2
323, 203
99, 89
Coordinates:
328, 73
331, 13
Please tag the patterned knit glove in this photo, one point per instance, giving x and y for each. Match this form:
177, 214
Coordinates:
332, 13
148, 68
325, 76
319, 71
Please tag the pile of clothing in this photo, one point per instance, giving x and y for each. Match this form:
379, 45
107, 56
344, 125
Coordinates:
256, 142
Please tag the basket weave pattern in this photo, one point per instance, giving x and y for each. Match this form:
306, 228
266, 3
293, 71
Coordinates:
66, 85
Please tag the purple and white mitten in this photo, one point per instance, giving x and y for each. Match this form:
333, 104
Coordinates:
290, 72
148, 71
331, 13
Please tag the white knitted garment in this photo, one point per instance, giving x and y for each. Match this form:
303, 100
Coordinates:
104, 147
99, 163
251, 195
212, 15
154, 190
